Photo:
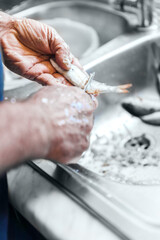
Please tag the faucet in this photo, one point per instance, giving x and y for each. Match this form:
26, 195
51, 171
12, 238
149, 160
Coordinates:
143, 9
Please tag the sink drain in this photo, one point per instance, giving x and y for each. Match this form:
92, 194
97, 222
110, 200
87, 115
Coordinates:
138, 142
134, 160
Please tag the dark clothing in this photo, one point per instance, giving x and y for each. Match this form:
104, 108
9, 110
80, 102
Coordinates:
3, 208
3, 183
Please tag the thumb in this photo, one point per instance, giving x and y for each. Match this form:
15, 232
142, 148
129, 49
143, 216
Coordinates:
62, 53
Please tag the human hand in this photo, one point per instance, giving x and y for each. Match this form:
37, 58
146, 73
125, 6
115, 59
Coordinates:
69, 116
28, 46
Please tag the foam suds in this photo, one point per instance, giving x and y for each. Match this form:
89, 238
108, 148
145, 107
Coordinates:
131, 161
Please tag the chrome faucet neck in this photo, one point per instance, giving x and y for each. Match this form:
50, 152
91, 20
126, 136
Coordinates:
142, 8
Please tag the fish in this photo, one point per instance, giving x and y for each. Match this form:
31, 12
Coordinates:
83, 80
153, 118
140, 107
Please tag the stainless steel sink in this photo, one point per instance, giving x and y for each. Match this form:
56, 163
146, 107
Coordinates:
129, 209
107, 22
121, 203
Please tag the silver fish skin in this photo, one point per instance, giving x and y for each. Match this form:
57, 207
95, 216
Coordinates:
75, 75
81, 79
153, 118
96, 87
140, 107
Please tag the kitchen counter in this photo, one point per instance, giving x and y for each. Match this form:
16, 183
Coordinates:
49, 209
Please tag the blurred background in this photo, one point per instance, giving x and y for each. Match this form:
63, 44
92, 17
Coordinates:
8, 4
22, 4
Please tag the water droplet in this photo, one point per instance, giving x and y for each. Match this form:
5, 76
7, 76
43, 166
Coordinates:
13, 100
61, 123
109, 195
44, 100
66, 112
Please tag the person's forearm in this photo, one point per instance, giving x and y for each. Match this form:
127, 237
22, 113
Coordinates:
6, 22
23, 129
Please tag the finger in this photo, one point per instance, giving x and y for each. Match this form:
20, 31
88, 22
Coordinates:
18, 57
76, 62
62, 79
65, 58
43, 39
62, 59
62, 52
90, 102
6, 23
95, 101
33, 35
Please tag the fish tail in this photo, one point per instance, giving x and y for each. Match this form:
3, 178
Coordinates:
124, 88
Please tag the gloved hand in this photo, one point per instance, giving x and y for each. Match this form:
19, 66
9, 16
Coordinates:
69, 116
28, 46
55, 123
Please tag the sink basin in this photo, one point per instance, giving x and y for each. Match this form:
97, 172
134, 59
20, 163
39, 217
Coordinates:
136, 62
128, 206
107, 23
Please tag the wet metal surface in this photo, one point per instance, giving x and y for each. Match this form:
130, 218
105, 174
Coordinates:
107, 23
131, 208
